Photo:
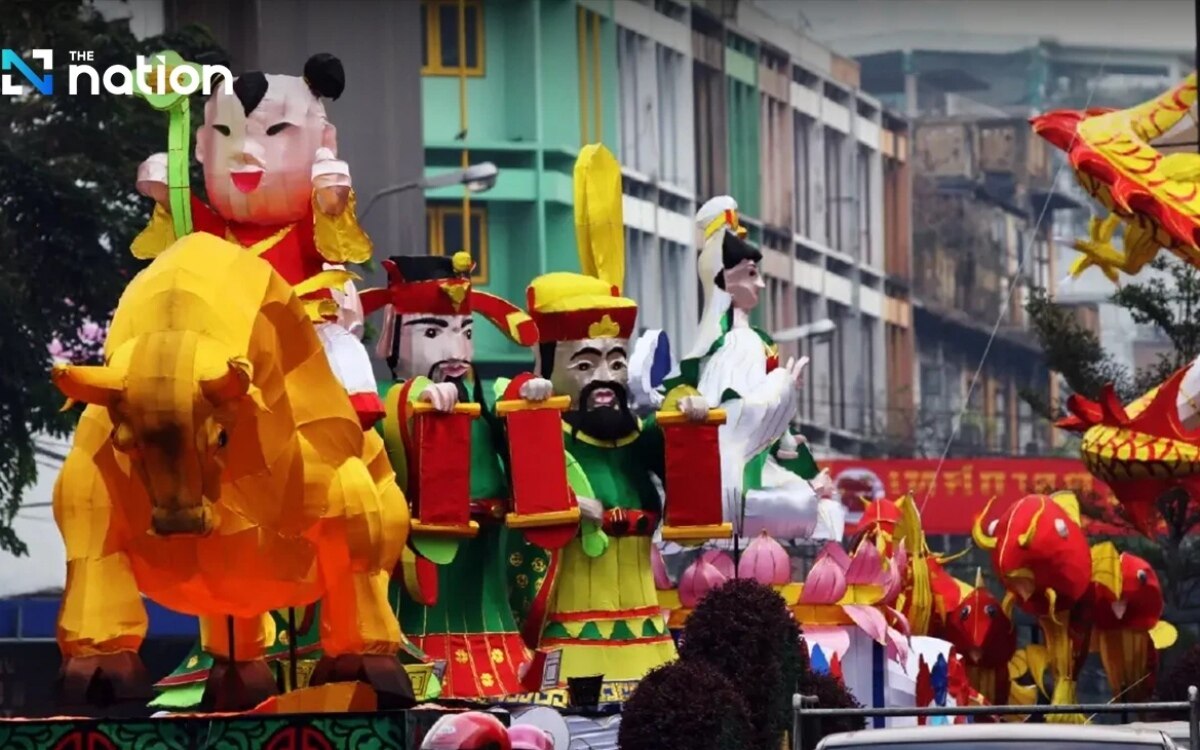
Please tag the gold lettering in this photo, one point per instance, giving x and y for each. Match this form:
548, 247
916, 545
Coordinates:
991, 482
1045, 482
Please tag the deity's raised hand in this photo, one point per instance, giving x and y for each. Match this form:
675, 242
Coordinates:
331, 182
795, 369
152, 180
443, 396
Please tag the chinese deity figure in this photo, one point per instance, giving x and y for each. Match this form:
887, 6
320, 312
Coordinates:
770, 481
595, 599
460, 613
276, 187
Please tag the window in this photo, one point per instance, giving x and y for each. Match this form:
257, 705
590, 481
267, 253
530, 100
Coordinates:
834, 192
864, 198
639, 102
673, 160
711, 152
444, 228
440, 54
803, 173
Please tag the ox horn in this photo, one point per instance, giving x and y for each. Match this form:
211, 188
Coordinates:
982, 540
98, 385
231, 384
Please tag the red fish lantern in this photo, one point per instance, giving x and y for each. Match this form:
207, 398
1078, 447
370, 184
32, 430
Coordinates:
1128, 629
983, 633
1039, 551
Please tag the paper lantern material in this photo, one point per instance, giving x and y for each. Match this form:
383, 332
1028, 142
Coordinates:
228, 422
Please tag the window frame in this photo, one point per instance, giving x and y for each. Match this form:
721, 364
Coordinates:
435, 215
433, 40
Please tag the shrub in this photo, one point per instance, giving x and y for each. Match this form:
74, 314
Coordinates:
744, 630
830, 692
685, 706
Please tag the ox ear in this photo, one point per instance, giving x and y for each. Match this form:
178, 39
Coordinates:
231, 384
99, 385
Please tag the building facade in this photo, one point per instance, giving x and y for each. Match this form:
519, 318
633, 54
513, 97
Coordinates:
696, 100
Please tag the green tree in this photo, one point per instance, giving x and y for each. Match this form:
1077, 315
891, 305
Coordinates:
1168, 300
68, 211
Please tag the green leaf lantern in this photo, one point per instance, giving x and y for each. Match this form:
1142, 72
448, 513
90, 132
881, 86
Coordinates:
162, 96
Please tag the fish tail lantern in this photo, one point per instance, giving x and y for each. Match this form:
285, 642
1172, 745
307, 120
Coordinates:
439, 485
543, 507
694, 508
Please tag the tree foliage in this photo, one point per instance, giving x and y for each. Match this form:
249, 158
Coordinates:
68, 211
687, 705
745, 631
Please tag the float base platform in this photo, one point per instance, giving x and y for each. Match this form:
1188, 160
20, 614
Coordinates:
390, 730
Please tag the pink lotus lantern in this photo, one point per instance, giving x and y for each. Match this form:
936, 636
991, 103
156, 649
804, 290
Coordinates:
766, 561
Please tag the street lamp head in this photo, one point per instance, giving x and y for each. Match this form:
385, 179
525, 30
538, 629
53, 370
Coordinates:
817, 328
480, 177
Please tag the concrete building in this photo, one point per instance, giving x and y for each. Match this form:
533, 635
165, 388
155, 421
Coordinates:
934, 59
696, 100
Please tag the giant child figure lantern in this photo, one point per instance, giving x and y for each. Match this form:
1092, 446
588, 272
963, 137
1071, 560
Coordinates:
454, 457
277, 188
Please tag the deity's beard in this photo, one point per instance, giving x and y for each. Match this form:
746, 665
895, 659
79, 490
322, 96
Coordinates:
438, 374
609, 422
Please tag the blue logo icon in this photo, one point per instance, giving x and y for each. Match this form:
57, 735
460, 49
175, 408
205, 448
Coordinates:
10, 60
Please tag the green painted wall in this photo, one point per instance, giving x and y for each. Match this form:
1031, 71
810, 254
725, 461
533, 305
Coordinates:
523, 114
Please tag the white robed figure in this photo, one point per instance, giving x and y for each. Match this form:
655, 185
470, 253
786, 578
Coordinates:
769, 480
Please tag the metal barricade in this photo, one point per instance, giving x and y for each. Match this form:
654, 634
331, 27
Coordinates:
804, 707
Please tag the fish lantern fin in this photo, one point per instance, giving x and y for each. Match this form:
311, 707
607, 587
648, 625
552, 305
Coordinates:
1070, 505
1106, 567
1163, 635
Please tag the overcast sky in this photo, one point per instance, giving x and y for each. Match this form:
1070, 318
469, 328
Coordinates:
1105, 23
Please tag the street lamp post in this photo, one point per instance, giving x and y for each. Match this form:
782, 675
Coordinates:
476, 178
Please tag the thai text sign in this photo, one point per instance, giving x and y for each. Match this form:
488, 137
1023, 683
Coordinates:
951, 497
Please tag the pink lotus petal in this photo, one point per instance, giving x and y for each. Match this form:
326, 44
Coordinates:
720, 560
695, 583
55, 347
900, 620
866, 567
658, 566
870, 620
897, 646
834, 551
765, 561
833, 639
825, 584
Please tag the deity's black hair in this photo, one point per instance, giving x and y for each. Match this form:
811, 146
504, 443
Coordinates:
425, 267
546, 350
325, 75
734, 250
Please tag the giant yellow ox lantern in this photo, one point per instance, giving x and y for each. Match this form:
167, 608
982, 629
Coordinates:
220, 470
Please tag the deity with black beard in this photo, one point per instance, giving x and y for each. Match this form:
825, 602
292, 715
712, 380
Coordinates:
584, 327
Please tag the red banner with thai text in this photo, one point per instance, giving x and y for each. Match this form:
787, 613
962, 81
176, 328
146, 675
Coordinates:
951, 497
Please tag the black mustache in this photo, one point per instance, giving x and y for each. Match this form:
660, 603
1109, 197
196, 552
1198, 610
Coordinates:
619, 391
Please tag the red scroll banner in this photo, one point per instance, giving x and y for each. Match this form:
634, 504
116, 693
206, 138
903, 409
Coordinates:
439, 480
694, 511
543, 506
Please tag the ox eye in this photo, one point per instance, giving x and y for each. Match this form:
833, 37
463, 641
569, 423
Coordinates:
278, 128
222, 129
1061, 527
1142, 576
965, 613
990, 610
222, 439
